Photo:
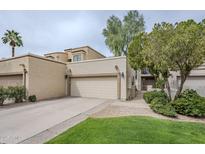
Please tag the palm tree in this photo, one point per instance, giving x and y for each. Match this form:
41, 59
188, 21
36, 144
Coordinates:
14, 40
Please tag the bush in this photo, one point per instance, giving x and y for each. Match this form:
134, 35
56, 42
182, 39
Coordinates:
17, 93
149, 96
3, 95
162, 106
189, 93
32, 98
190, 103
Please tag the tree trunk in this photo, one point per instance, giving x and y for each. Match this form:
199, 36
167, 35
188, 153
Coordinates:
168, 90
13, 51
179, 90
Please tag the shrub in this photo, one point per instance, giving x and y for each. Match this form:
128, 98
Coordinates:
3, 95
190, 103
162, 106
17, 93
195, 107
149, 96
32, 98
189, 93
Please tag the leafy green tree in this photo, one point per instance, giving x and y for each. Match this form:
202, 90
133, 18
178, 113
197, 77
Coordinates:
147, 51
118, 34
135, 54
14, 40
179, 47
186, 49
154, 53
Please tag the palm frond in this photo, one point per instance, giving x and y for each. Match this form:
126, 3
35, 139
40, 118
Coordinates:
13, 38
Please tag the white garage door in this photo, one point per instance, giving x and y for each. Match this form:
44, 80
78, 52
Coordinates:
197, 83
97, 87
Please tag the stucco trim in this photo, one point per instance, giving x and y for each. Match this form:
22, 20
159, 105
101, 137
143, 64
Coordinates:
78, 51
100, 59
94, 75
58, 52
11, 73
34, 56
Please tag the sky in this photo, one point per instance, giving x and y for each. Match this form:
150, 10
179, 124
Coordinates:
50, 31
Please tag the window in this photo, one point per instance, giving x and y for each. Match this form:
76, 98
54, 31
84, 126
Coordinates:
145, 71
69, 60
77, 58
50, 57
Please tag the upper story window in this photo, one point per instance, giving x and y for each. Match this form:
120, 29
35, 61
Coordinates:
77, 57
50, 57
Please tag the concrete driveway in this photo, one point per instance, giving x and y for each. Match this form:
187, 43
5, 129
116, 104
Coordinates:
20, 123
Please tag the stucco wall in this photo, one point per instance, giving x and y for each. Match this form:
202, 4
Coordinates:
58, 56
91, 54
12, 65
46, 78
87, 55
106, 65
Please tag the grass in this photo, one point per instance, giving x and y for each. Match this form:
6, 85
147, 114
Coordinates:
125, 130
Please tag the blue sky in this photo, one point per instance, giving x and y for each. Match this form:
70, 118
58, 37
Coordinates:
47, 31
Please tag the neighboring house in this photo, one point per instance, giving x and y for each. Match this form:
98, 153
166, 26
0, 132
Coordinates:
196, 80
75, 72
75, 54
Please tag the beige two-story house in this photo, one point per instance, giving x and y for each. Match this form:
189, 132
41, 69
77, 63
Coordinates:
82, 72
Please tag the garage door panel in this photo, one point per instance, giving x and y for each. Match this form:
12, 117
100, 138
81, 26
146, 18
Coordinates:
11, 80
197, 83
97, 87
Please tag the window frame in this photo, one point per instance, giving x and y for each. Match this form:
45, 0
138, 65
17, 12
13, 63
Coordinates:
79, 57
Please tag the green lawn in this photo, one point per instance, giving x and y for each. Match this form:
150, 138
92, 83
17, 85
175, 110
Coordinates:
132, 130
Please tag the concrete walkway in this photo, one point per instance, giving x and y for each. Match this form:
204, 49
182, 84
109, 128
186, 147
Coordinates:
137, 107
23, 123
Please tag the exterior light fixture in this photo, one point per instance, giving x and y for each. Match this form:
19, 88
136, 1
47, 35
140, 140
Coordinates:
122, 74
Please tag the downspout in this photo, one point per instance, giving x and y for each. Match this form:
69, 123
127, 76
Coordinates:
118, 82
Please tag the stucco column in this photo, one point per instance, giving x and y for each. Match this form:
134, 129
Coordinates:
139, 80
24, 78
118, 82
68, 82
